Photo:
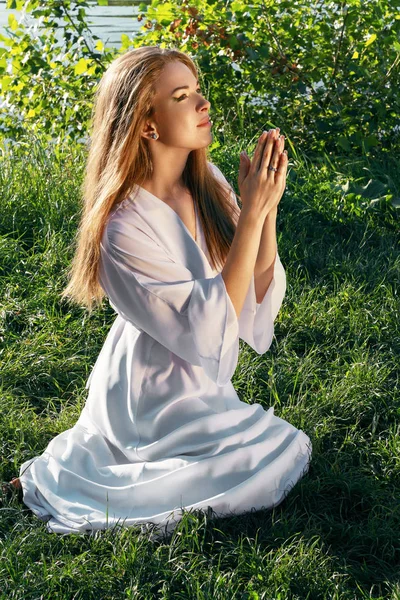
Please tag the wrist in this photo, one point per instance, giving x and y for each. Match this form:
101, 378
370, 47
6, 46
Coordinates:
272, 213
249, 216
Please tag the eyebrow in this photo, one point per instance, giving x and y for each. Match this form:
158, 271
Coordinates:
183, 87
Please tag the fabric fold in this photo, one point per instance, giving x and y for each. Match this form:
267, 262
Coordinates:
194, 318
256, 321
216, 339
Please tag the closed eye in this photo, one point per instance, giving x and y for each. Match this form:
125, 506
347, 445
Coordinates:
185, 95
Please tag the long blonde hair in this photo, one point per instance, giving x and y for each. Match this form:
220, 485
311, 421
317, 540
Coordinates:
119, 157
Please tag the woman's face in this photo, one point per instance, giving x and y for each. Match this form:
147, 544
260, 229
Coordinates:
178, 112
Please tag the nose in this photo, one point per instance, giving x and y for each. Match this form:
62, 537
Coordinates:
205, 104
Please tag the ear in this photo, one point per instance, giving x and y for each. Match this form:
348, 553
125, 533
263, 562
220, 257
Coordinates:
244, 167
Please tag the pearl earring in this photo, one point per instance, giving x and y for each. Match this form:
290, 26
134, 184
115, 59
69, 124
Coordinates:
154, 136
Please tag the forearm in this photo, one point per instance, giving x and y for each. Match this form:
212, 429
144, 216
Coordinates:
240, 263
264, 267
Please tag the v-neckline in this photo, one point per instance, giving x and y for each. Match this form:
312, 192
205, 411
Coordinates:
199, 244
196, 241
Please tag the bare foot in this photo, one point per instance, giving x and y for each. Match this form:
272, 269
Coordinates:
9, 489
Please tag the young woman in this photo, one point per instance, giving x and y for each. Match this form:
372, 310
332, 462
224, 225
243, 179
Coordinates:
188, 274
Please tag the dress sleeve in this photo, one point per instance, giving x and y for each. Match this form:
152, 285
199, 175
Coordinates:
194, 318
256, 321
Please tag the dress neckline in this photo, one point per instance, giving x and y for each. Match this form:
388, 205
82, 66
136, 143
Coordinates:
199, 243
196, 241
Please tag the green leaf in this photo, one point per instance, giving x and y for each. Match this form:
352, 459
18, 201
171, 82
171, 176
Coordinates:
165, 11
81, 66
5, 82
12, 22
396, 202
370, 40
343, 142
374, 189
371, 140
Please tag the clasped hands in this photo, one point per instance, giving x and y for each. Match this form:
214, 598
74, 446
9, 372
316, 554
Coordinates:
262, 186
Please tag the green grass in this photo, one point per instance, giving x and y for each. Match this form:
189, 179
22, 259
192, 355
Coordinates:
333, 371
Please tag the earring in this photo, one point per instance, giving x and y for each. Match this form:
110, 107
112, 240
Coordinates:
154, 136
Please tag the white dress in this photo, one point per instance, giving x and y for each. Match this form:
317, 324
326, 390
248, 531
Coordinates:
163, 428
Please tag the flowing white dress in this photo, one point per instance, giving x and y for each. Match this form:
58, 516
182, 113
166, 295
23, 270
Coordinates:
163, 428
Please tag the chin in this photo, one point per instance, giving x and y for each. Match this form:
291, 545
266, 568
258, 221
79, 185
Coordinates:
207, 143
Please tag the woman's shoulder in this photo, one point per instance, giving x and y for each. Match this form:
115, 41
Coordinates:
219, 175
216, 170
127, 221
126, 211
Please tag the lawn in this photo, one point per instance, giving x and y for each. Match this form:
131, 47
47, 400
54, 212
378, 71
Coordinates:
332, 371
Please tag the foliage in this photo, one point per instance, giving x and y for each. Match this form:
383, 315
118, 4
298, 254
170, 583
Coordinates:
47, 84
326, 74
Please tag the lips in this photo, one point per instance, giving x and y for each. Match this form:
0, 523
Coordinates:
204, 122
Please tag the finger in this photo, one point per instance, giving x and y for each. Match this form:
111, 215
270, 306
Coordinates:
280, 174
265, 157
258, 151
243, 167
280, 145
277, 150
274, 159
